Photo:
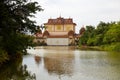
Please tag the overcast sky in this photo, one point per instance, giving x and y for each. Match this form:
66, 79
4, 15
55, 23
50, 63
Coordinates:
83, 12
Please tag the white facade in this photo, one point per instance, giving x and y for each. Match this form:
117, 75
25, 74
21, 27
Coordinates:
58, 33
57, 41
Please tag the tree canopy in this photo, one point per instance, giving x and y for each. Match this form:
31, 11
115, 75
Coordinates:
104, 34
15, 21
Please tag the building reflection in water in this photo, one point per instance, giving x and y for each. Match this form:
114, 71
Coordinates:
59, 64
37, 59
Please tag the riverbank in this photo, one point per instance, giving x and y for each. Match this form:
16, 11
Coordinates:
111, 47
89, 48
115, 47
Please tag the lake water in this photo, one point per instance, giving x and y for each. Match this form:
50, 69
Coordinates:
63, 63
68, 63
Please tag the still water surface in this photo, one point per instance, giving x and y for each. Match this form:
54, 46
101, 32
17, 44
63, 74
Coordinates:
68, 63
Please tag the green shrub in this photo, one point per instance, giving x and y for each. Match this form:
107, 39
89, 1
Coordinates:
116, 47
3, 56
112, 47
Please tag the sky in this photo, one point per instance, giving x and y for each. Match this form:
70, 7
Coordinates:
83, 12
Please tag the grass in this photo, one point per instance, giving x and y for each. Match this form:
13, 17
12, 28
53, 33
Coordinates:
95, 48
112, 47
107, 47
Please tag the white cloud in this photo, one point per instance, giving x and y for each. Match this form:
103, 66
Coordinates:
83, 12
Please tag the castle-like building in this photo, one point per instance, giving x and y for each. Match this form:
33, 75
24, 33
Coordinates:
59, 31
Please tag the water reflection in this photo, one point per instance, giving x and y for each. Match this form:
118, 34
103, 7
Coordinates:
37, 59
14, 70
59, 65
66, 63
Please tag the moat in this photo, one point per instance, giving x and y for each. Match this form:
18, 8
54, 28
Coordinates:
68, 63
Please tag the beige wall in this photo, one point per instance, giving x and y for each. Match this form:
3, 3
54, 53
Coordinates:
60, 28
50, 28
58, 33
57, 41
68, 27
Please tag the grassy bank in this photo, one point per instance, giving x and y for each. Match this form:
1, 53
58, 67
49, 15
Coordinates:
109, 47
90, 48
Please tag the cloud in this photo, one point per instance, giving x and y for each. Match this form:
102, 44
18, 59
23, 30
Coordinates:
83, 12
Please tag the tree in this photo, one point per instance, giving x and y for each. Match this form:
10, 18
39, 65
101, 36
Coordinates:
102, 27
97, 35
15, 15
88, 33
15, 22
106, 35
113, 34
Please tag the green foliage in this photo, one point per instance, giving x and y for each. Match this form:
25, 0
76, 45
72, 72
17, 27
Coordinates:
116, 47
90, 42
86, 35
15, 15
15, 22
83, 39
3, 56
113, 34
112, 47
104, 34
102, 27
17, 43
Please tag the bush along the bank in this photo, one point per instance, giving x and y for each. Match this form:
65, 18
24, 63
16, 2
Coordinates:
112, 47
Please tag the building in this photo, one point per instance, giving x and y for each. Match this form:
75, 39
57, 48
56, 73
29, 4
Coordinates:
59, 31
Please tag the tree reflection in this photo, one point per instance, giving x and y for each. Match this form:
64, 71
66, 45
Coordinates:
14, 70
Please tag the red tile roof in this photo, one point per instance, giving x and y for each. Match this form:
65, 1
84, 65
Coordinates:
60, 20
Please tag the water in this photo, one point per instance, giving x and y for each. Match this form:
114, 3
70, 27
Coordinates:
68, 63
65, 63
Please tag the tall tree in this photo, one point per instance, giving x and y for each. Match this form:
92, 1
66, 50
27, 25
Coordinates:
88, 33
15, 21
